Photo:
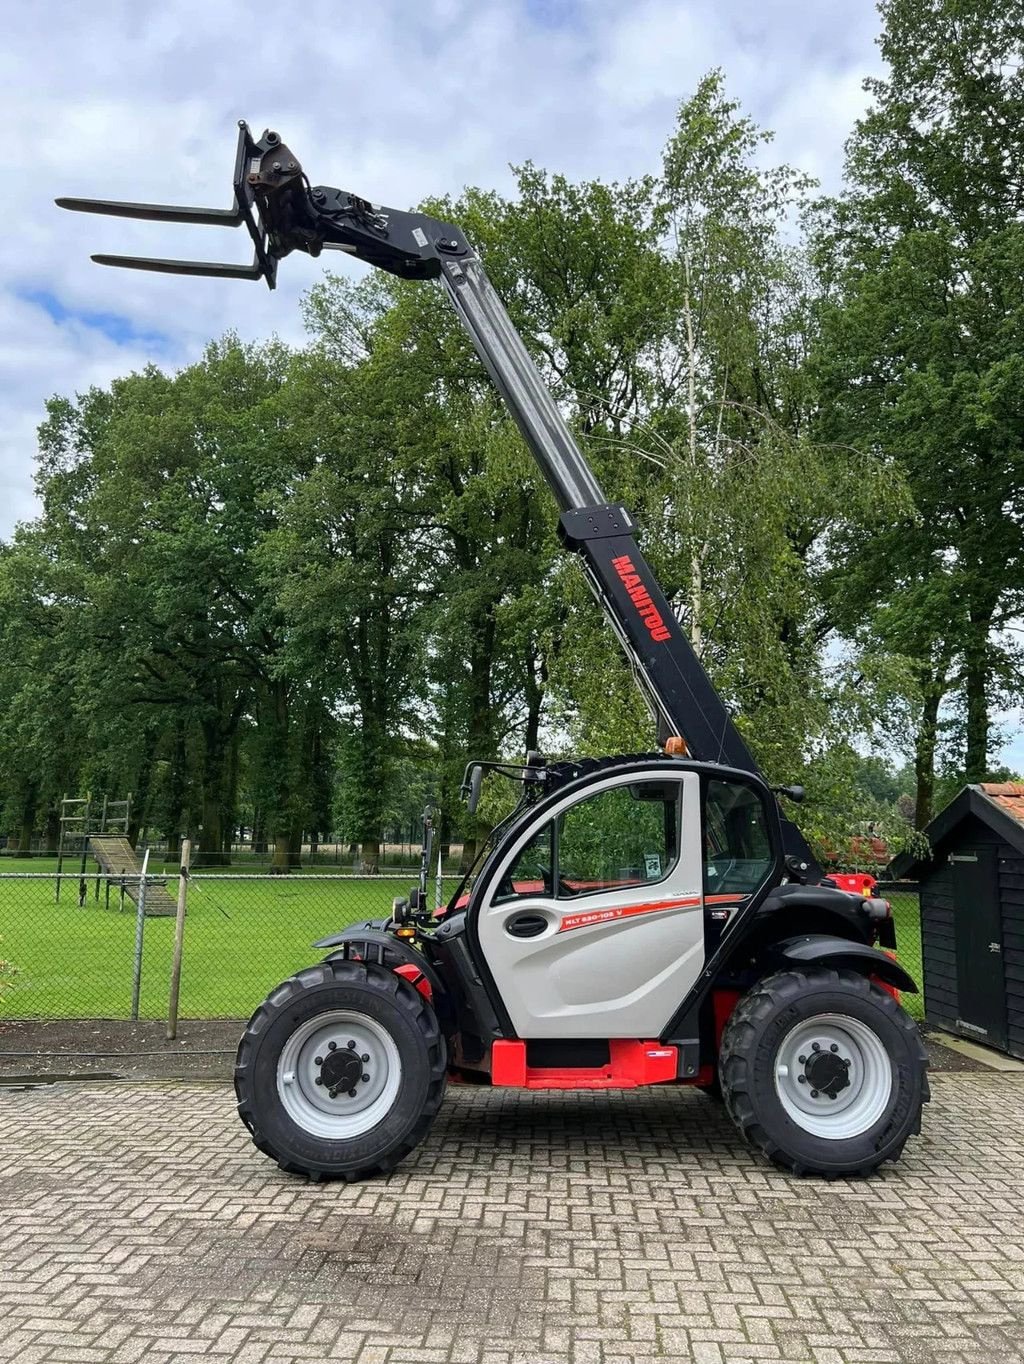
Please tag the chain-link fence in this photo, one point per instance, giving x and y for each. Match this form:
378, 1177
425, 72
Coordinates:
93, 951
906, 910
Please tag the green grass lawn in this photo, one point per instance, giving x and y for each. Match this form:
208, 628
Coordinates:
241, 939
907, 915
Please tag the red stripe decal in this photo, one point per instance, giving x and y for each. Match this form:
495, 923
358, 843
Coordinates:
603, 916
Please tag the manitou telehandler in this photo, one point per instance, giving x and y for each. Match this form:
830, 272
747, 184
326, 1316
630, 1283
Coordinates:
644, 919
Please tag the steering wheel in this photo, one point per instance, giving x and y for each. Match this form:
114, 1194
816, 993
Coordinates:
720, 870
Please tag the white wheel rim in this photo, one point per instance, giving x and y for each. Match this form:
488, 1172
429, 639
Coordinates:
850, 1056
326, 1048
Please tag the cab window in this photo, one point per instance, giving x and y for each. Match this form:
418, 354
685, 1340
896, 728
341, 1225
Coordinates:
615, 839
738, 850
530, 873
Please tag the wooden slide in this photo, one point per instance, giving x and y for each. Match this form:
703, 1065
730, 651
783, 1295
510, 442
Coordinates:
120, 863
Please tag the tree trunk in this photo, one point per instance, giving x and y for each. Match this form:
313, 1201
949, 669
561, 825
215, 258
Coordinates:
470, 848
924, 756
230, 804
52, 830
371, 854
536, 677
24, 848
295, 847
277, 717
176, 789
259, 832
215, 761
27, 822
975, 674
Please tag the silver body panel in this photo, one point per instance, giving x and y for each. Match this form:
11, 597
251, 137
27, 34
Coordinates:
615, 963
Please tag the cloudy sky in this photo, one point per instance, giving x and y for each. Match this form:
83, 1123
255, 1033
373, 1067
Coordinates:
394, 100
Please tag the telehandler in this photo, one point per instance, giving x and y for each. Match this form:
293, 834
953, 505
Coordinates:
642, 919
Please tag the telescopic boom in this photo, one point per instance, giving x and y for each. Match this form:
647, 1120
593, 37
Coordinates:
283, 212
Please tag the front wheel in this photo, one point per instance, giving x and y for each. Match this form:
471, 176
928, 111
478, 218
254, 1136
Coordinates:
340, 1071
823, 1072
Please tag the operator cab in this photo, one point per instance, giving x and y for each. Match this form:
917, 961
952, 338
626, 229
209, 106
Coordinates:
611, 886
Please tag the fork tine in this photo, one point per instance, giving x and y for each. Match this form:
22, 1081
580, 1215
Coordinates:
183, 267
164, 213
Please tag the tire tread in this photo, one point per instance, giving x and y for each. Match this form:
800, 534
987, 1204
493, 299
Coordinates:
343, 972
753, 1011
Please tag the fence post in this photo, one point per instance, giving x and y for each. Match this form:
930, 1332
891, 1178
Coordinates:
179, 938
140, 920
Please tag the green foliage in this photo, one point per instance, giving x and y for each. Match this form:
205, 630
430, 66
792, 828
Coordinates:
296, 590
921, 262
612, 836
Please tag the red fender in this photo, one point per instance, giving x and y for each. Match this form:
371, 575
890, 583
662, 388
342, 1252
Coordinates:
416, 978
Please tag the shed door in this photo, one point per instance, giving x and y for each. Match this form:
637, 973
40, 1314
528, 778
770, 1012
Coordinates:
981, 983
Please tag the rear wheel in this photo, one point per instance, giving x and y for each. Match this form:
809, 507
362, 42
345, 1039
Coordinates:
823, 1072
341, 1071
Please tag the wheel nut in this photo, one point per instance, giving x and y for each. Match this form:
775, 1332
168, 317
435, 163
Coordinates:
803, 1060
319, 1080
832, 1094
332, 1046
815, 1046
366, 1077
833, 1047
814, 1093
802, 1079
365, 1057
351, 1094
319, 1060
351, 1046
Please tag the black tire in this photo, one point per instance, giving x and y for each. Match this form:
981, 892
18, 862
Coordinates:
757, 1039
391, 1010
713, 1089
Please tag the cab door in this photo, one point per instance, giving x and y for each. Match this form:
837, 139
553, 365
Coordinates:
593, 925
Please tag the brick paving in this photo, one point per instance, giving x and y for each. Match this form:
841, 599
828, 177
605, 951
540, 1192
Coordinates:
138, 1226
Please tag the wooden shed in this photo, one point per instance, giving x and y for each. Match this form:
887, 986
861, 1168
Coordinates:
972, 915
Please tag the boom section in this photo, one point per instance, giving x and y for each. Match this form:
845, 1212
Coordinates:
670, 676
283, 212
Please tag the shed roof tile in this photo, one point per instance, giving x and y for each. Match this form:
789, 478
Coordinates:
1008, 795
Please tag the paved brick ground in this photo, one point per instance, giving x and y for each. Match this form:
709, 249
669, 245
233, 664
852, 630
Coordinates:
138, 1224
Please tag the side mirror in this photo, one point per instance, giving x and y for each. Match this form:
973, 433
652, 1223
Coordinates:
476, 778
793, 793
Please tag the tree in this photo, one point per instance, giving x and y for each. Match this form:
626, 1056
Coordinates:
744, 511
349, 578
922, 259
159, 496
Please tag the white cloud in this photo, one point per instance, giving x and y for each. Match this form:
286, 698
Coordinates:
395, 100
